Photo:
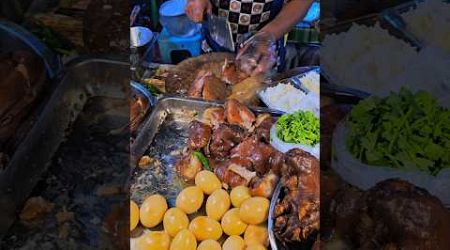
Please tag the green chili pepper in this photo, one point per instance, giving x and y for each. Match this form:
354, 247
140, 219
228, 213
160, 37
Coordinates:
202, 158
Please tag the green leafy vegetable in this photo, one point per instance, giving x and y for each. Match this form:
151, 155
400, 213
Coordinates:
202, 158
299, 127
404, 130
153, 90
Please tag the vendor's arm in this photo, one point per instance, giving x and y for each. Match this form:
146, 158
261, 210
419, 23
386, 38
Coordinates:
291, 14
258, 56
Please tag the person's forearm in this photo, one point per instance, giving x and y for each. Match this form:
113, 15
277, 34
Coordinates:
291, 14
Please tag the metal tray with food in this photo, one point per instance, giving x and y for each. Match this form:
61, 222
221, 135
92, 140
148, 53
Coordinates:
294, 215
160, 149
98, 82
14, 37
212, 76
192, 150
163, 135
141, 101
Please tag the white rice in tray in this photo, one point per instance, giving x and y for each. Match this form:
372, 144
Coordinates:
381, 63
311, 81
430, 22
287, 98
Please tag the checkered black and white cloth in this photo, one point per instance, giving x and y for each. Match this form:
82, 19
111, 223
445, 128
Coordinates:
244, 15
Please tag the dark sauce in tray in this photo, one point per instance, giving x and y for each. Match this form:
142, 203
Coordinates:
94, 157
161, 177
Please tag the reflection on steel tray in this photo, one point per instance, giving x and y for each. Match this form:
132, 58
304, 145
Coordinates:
94, 80
165, 132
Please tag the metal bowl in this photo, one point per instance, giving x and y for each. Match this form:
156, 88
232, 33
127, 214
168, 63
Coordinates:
270, 224
174, 19
275, 243
140, 36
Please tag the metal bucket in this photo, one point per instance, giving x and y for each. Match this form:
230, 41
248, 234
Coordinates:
142, 41
174, 19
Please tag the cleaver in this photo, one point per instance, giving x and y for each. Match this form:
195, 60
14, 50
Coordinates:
220, 31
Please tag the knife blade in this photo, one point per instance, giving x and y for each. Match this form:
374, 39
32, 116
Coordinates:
220, 31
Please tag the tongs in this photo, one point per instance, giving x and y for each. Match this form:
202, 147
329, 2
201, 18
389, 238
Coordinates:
397, 22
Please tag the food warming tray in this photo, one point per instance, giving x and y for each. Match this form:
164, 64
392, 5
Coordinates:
163, 137
83, 81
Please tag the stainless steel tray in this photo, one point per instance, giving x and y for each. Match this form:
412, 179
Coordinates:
271, 220
82, 81
274, 242
163, 133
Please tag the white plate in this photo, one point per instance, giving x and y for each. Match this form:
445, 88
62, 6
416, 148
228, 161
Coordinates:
366, 176
284, 146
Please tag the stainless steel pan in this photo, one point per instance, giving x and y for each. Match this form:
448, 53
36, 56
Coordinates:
163, 135
82, 81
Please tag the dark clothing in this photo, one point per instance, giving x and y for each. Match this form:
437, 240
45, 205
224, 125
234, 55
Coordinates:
247, 17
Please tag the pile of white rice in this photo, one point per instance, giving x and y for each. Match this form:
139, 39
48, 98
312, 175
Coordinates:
430, 22
311, 81
287, 98
370, 59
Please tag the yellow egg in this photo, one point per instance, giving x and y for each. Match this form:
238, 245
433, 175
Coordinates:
238, 195
207, 181
254, 210
256, 247
152, 210
205, 228
256, 234
153, 241
190, 199
185, 240
174, 221
134, 215
209, 245
233, 243
217, 204
232, 224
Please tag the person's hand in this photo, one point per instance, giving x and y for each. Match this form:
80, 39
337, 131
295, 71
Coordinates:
195, 9
258, 55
